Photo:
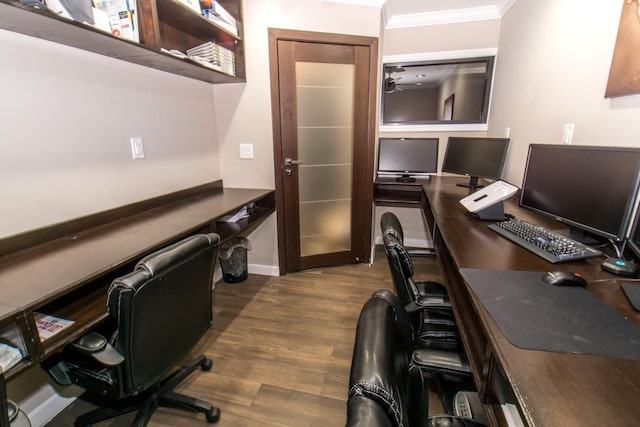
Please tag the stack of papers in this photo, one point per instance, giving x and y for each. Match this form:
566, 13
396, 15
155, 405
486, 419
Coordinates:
216, 57
9, 356
193, 4
241, 214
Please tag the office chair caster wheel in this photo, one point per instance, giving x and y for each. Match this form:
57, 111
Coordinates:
213, 416
206, 364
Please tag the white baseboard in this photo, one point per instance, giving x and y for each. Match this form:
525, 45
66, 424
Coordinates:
264, 270
48, 409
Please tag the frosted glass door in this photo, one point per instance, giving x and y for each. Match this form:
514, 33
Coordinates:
325, 151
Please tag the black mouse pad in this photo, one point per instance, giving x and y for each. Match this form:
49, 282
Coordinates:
537, 316
632, 292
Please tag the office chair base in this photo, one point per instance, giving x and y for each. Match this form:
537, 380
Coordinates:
162, 396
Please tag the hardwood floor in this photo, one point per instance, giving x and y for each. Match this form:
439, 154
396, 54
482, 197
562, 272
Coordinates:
281, 349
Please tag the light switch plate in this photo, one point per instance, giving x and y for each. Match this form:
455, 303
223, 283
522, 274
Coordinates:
137, 148
246, 151
567, 133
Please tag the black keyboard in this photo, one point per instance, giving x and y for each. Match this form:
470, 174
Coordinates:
548, 245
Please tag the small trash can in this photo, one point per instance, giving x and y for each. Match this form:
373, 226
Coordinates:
233, 260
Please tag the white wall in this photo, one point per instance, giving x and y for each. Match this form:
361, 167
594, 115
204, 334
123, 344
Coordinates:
429, 39
66, 119
553, 66
438, 38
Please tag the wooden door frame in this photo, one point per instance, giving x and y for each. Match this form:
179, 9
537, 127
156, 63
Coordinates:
363, 180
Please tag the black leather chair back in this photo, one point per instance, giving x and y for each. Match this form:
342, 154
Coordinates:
163, 308
405, 322
380, 372
401, 268
390, 224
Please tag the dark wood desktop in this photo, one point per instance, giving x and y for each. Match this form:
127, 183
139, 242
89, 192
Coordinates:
68, 276
548, 388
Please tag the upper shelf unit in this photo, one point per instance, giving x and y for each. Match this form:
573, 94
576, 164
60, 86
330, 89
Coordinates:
166, 24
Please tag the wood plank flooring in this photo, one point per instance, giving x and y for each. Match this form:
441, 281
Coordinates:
281, 349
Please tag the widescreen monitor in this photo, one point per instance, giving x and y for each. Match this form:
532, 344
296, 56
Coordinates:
476, 157
589, 188
634, 236
407, 158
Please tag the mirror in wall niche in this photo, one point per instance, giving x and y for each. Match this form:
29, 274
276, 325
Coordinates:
450, 91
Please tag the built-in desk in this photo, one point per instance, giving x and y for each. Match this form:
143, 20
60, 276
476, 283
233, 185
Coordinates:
548, 388
67, 273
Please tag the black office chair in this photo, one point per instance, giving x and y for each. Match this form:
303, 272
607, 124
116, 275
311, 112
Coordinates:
427, 294
429, 307
162, 309
390, 224
447, 362
385, 388
447, 365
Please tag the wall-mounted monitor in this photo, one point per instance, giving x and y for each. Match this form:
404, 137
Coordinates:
407, 158
476, 157
423, 92
591, 189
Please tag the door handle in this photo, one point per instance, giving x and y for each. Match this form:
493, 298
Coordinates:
289, 161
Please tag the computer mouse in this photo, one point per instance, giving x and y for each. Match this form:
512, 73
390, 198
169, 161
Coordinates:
563, 278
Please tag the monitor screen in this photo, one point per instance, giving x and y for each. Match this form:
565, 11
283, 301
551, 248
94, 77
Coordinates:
477, 157
407, 157
591, 189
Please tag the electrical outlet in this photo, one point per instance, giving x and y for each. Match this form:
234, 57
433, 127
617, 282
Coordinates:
246, 151
137, 148
567, 133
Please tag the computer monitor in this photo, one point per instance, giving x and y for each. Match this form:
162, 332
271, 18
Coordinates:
591, 189
407, 157
634, 235
477, 157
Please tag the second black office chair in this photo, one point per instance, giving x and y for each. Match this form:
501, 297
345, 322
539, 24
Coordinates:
390, 224
431, 313
162, 309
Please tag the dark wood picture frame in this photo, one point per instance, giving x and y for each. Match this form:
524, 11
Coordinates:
624, 76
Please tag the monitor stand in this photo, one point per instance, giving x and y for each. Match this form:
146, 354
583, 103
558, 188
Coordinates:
405, 178
473, 183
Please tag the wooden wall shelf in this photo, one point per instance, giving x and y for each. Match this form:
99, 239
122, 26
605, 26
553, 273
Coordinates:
163, 24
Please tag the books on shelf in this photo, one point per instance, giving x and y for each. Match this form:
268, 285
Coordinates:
214, 56
118, 17
219, 15
121, 16
49, 326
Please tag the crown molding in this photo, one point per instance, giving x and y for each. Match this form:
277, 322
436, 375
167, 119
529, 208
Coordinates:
443, 17
452, 16
504, 6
